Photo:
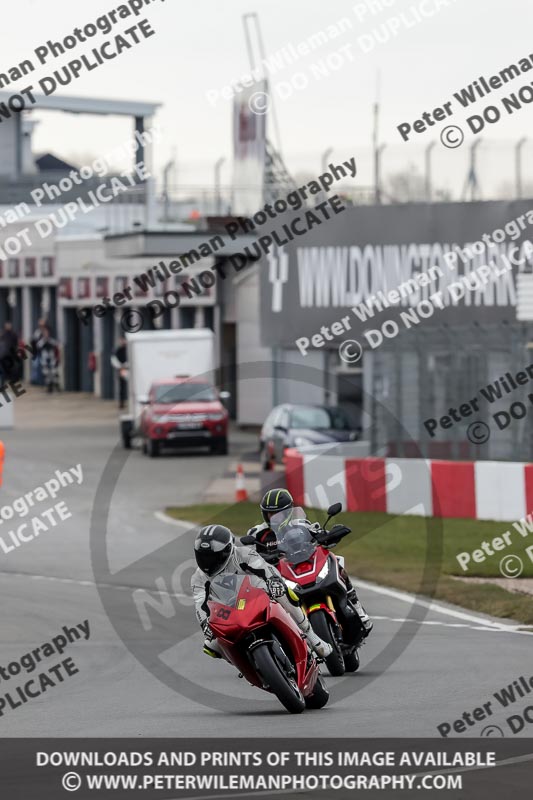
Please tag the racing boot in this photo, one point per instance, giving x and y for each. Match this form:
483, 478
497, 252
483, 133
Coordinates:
321, 648
351, 596
211, 646
365, 620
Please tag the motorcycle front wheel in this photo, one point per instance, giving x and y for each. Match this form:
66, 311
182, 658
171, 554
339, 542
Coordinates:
322, 626
320, 696
285, 689
351, 661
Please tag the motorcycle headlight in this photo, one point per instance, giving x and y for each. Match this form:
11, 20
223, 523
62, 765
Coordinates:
290, 584
324, 571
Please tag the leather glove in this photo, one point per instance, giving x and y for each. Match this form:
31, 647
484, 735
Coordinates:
276, 588
257, 529
314, 528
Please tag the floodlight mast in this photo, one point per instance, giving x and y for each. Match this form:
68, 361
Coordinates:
247, 20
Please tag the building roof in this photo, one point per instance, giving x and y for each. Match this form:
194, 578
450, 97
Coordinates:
157, 243
49, 161
90, 105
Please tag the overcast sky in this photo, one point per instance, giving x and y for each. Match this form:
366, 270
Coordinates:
200, 47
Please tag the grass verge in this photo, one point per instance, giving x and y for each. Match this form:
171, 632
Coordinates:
393, 551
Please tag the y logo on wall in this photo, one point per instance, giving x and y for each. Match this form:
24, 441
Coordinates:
278, 274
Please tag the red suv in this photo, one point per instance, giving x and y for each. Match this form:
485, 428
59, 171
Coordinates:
184, 412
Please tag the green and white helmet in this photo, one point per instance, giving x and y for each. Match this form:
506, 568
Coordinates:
275, 500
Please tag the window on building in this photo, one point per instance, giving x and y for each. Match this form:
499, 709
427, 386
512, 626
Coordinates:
47, 267
209, 317
102, 287
120, 283
187, 317
65, 288
30, 267
13, 267
84, 288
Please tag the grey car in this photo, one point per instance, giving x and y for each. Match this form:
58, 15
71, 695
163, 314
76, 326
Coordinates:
292, 425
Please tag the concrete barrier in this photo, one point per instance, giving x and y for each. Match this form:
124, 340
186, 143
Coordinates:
490, 490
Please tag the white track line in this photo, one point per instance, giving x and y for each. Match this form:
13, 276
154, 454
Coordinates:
438, 608
438, 622
121, 588
180, 523
116, 586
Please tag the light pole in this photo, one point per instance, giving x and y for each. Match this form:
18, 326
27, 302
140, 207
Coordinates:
518, 165
377, 172
324, 164
471, 178
218, 167
429, 188
166, 189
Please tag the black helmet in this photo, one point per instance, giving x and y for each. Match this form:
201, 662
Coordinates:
275, 500
213, 547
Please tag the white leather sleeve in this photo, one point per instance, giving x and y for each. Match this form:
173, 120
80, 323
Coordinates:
198, 582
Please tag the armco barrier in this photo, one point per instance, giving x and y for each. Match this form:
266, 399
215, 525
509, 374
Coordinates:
470, 489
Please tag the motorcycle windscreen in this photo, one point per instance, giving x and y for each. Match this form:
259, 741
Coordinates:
292, 533
230, 589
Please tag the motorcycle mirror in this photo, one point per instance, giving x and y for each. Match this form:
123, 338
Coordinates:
332, 511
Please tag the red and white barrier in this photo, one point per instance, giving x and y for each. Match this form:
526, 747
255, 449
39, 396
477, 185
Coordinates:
469, 489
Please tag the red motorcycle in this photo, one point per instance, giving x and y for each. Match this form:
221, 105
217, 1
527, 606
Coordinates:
260, 639
312, 571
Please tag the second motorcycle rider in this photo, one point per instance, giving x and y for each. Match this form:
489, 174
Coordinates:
276, 500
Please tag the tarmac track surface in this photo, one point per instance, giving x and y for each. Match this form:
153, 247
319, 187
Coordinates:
453, 662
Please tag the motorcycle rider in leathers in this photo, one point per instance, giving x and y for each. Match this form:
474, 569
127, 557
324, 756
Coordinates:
276, 500
217, 553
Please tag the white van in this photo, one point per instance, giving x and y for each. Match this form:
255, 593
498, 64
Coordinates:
160, 355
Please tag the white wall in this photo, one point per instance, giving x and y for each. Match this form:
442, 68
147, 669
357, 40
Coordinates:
307, 387
8, 148
254, 396
257, 397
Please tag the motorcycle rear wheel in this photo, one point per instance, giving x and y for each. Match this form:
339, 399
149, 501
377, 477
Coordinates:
287, 692
322, 627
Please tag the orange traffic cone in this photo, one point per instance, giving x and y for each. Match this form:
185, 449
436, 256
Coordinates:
240, 488
2, 456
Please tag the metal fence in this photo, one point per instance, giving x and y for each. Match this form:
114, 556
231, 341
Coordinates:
444, 368
407, 172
